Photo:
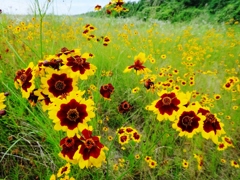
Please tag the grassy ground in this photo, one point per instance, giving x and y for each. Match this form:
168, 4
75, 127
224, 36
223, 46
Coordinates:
204, 54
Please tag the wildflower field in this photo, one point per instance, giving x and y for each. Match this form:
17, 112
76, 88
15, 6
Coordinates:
112, 98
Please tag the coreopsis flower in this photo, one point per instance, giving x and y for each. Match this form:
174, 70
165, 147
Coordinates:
43, 99
69, 146
124, 107
72, 113
169, 104
136, 137
212, 127
106, 90
234, 164
221, 146
135, 90
2, 99
91, 151
152, 164
199, 161
25, 80
188, 121
123, 139
227, 141
148, 158
138, 64
52, 61
33, 98
64, 170
148, 84
97, 7
185, 163
57, 83
78, 64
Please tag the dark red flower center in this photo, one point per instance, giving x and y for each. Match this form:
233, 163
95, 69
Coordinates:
166, 101
69, 142
123, 138
125, 105
211, 118
167, 104
64, 169
23, 77
60, 85
187, 121
72, 114
79, 60
89, 143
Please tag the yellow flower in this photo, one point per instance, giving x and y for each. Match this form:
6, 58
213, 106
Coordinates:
152, 164
188, 122
135, 90
199, 160
2, 99
139, 60
234, 164
163, 56
137, 156
168, 104
185, 163
64, 170
72, 113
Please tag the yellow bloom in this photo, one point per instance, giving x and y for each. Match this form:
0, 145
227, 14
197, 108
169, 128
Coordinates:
64, 170
72, 113
152, 164
2, 99
234, 164
185, 163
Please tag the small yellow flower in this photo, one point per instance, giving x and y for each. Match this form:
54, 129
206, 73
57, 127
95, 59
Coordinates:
234, 164
223, 160
163, 56
110, 138
137, 156
152, 164
235, 107
148, 158
115, 167
185, 163
105, 129
135, 90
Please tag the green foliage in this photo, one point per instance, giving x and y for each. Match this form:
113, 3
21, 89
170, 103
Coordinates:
178, 10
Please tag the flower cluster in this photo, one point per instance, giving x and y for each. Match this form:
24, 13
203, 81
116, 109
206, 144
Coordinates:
187, 118
67, 108
125, 134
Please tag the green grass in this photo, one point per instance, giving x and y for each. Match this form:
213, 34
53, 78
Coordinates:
29, 145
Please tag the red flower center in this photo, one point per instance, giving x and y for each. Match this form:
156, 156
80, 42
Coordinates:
89, 143
187, 121
211, 118
167, 101
125, 105
123, 138
72, 114
69, 142
60, 85
79, 60
23, 77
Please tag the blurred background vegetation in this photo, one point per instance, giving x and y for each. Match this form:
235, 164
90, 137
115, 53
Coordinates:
179, 10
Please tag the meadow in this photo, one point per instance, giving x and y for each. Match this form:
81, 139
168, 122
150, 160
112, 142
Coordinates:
146, 100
